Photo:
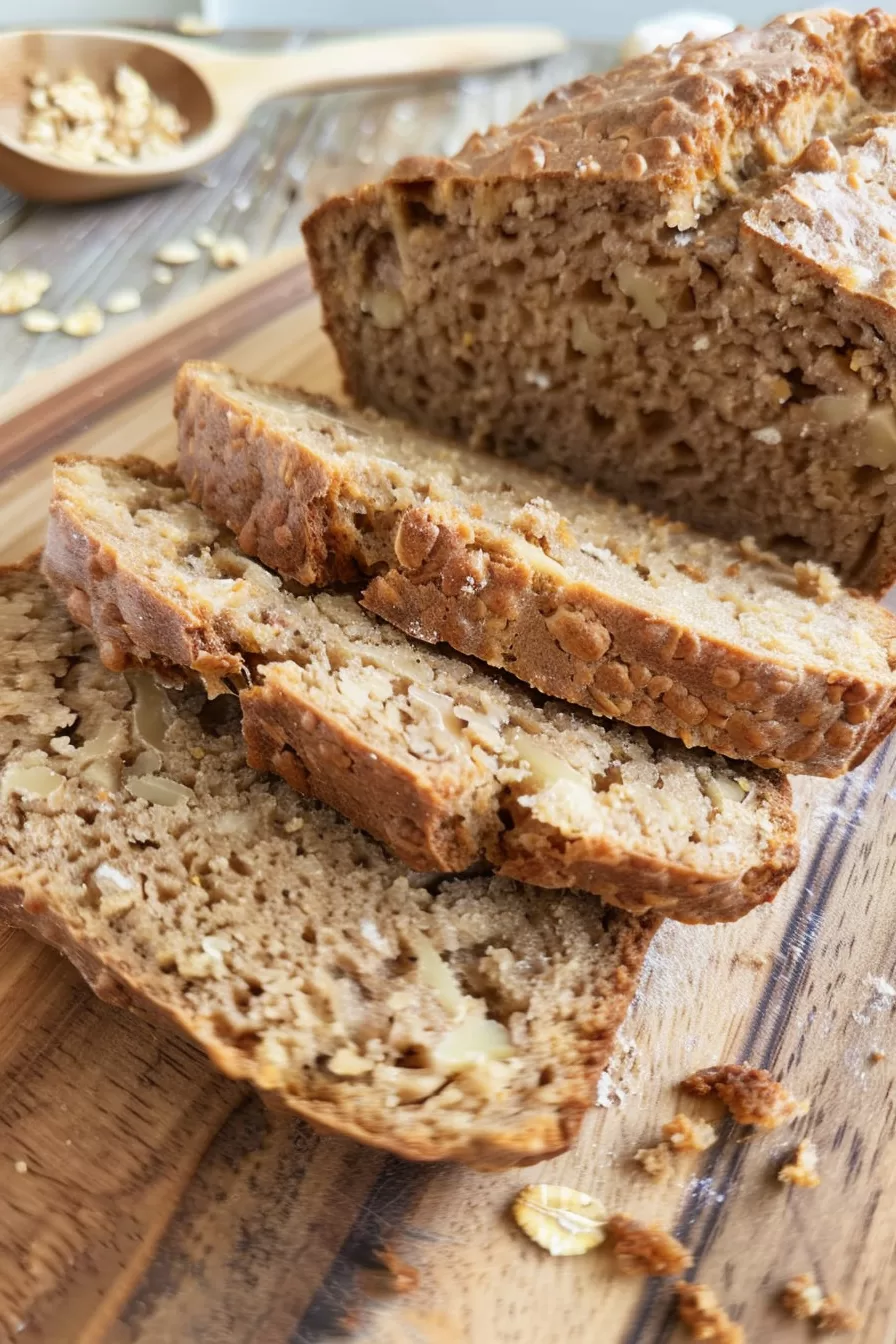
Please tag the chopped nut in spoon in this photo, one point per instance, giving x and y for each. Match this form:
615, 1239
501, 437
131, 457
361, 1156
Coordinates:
77, 122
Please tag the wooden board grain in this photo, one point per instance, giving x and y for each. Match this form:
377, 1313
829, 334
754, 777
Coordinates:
161, 1202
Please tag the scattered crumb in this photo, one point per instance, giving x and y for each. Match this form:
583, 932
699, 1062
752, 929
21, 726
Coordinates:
751, 1095
21, 1167
657, 1162
560, 1220
881, 987
642, 1248
804, 1300
689, 1136
700, 1313
801, 1297
802, 1169
404, 1277
876, 1056
835, 1317
751, 959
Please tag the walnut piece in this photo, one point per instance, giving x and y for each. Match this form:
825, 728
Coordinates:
560, 1220
751, 1095
699, 1311
646, 1248
802, 1169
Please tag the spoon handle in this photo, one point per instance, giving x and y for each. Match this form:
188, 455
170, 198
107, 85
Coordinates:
386, 57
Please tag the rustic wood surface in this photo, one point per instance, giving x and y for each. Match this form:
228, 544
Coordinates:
162, 1203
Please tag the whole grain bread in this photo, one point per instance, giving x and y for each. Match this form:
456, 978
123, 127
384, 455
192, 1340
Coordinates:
721, 645
443, 761
459, 1019
676, 280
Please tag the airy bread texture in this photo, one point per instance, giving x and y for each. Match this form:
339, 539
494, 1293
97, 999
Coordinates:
601, 604
441, 1019
443, 761
676, 280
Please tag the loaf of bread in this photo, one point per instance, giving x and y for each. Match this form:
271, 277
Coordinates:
676, 280
464, 1019
720, 645
444, 762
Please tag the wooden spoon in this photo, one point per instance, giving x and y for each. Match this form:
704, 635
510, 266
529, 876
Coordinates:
216, 90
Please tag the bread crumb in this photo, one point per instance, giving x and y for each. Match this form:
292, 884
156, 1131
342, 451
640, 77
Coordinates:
834, 1317
876, 1056
657, 1162
689, 1136
815, 581
751, 959
404, 1278
751, 1095
642, 1248
801, 1297
700, 1313
802, 1169
21, 1167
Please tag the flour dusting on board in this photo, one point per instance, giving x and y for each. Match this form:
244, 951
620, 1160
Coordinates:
881, 999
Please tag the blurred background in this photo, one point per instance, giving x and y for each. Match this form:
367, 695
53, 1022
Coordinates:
581, 18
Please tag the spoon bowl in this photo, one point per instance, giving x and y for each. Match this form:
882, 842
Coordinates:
215, 91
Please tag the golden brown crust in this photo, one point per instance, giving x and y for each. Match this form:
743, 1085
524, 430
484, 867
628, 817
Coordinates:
692, 116
422, 819
443, 577
323, 759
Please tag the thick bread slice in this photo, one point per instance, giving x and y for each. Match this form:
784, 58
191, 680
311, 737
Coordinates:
465, 1020
674, 280
443, 761
720, 645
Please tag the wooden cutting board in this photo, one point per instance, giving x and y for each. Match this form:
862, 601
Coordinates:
158, 1202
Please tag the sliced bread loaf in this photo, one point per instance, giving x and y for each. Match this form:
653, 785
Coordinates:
637, 618
441, 1019
675, 280
442, 760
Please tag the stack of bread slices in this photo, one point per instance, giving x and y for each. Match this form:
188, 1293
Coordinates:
384, 757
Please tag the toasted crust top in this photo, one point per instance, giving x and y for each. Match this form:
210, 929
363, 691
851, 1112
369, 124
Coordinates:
692, 121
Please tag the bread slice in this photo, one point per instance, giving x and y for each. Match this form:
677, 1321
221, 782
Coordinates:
444, 762
675, 280
462, 1019
720, 645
